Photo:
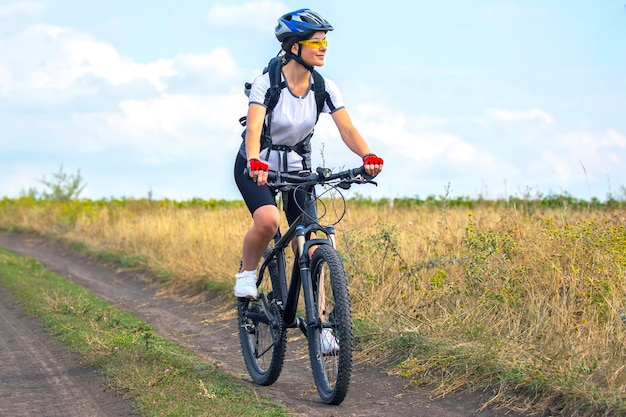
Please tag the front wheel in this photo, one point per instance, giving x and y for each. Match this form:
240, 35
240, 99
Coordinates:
330, 342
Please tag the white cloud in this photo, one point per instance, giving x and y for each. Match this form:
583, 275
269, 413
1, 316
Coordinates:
423, 148
519, 115
217, 63
19, 177
581, 157
431, 121
52, 58
256, 15
590, 144
612, 138
177, 124
435, 148
29, 7
66, 69
424, 140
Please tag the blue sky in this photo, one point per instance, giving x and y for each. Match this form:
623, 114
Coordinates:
495, 98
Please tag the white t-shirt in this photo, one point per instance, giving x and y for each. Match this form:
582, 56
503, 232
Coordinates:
293, 119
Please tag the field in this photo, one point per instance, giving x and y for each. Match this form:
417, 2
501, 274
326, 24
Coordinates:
525, 295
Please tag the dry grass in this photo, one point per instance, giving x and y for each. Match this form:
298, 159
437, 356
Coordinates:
530, 301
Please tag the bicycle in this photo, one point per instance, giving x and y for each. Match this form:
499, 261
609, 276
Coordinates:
263, 322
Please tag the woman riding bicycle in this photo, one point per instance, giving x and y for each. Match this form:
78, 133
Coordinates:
302, 34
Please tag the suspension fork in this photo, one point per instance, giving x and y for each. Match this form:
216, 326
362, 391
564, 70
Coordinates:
311, 311
300, 276
291, 304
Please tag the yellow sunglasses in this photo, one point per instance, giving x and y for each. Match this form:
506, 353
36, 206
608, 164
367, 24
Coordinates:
314, 43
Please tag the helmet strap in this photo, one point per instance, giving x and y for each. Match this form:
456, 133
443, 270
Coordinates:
298, 58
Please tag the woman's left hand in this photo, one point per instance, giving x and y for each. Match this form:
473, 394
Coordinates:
373, 164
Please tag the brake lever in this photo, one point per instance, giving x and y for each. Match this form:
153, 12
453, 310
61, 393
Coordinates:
346, 184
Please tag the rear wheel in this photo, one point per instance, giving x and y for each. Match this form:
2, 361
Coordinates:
262, 335
330, 343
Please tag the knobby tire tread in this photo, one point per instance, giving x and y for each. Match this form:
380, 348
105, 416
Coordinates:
342, 319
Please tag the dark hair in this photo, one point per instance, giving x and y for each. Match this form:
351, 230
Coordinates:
290, 41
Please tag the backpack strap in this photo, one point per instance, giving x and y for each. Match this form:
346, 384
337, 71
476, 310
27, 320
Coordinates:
321, 95
274, 69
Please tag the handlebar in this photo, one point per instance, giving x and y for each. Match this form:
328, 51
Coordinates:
320, 176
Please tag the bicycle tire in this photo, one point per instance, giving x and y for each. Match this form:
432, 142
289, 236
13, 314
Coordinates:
331, 372
263, 345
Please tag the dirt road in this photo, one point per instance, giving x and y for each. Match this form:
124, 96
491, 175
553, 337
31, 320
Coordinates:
40, 377
54, 377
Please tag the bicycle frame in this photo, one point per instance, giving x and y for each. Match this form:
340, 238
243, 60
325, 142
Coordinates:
300, 274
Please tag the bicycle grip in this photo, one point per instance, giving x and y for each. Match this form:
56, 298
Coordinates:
271, 175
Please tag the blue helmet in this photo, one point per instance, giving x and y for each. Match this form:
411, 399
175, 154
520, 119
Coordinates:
300, 24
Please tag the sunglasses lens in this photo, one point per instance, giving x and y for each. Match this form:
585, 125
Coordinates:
315, 43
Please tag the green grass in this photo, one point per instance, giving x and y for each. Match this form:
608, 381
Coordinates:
160, 378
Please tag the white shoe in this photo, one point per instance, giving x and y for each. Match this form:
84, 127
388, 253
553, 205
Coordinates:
245, 286
330, 344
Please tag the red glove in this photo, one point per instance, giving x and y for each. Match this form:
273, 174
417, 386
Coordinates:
258, 165
371, 159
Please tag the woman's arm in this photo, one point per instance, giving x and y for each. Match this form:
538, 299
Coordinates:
254, 127
349, 134
353, 139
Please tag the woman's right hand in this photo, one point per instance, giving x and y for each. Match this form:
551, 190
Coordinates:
258, 171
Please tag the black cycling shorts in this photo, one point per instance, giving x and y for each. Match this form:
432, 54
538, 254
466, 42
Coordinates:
294, 201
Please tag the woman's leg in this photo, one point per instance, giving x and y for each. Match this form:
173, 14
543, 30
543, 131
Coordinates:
265, 215
266, 222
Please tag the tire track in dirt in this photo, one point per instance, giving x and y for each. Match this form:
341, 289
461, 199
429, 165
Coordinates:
208, 327
39, 377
